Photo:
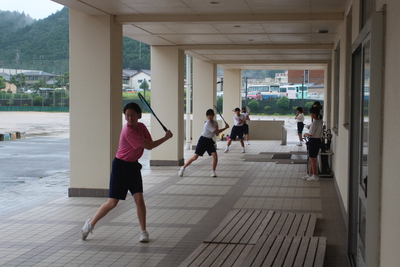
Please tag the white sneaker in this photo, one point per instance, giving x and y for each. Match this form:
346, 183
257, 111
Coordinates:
243, 150
144, 236
313, 178
300, 144
306, 177
86, 229
213, 174
180, 173
226, 149
247, 143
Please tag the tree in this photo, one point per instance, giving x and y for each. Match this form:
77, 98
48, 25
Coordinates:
254, 105
283, 103
144, 85
18, 80
63, 80
2, 82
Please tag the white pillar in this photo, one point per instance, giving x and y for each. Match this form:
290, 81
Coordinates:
232, 94
167, 84
204, 94
95, 101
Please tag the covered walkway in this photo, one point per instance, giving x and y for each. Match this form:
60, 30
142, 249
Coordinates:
42, 229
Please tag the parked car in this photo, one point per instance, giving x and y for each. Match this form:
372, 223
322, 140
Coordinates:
130, 91
254, 95
312, 95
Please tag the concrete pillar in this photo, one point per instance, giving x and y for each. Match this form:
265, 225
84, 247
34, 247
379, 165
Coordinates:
95, 101
167, 91
204, 94
232, 94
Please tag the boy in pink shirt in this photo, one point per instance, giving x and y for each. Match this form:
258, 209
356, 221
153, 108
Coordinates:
125, 174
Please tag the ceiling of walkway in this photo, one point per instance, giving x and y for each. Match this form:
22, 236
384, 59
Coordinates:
235, 34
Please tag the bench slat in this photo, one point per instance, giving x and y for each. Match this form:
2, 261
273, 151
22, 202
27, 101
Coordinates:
193, 256
291, 255
240, 224
246, 230
226, 253
288, 224
283, 251
311, 225
278, 227
204, 254
301, 254
296, 224
225, 222
319, 259
242, 257
312, 250
265, 221
276, 246
213, 254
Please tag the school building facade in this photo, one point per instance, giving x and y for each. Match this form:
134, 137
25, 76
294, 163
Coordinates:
354, 41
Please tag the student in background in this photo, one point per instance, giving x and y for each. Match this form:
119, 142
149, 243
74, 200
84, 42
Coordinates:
237, 130
300, 124
314, 143
206, 143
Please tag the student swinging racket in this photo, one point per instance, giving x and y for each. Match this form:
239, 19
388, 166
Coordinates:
151, 111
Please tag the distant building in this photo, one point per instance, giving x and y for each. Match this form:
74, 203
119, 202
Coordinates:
134, 78
310, 76
31, 77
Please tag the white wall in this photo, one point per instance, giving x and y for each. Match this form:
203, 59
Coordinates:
390, 223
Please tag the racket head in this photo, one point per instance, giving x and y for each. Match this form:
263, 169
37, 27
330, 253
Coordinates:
291, 120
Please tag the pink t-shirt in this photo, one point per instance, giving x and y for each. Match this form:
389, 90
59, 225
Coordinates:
130, 142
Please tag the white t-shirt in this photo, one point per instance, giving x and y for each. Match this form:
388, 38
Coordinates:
209, 129
245, 114
316, 130
300, 117
236, 120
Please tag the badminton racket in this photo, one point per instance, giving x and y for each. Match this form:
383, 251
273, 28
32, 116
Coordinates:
151, 111
219, 113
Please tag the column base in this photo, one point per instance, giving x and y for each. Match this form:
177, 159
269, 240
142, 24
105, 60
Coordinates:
87, 192
167, 162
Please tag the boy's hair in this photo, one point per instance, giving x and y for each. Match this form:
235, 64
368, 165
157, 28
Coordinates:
315, 110
300, 109
210, 112
133, 106
237, 109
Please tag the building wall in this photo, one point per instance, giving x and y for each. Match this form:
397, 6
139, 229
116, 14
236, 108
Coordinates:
390, 222
315, 76
140, 76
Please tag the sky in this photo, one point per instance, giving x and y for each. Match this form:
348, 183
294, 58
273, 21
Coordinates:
37, 9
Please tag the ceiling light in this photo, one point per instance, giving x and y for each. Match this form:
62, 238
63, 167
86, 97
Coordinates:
214, 3
251, 40
323, 31
237, 26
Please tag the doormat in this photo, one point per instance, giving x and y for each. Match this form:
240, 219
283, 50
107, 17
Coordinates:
281, 156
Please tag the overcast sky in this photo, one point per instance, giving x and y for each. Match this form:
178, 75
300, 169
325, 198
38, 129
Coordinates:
37, 9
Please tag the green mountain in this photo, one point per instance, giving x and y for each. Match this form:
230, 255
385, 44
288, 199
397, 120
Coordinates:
43, 44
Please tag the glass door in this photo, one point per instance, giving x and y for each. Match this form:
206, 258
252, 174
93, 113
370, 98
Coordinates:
359, 144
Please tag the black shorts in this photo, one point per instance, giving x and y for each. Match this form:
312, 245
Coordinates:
205, 144
125, 176
314, 144
300, 127
245, 128
237, 131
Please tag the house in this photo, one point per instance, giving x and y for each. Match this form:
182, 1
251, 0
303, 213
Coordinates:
133, 78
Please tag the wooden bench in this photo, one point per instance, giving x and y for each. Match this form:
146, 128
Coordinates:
270, 250
246, 226
261, 238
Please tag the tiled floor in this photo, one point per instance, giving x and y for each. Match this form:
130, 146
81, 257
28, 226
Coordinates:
39, 224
